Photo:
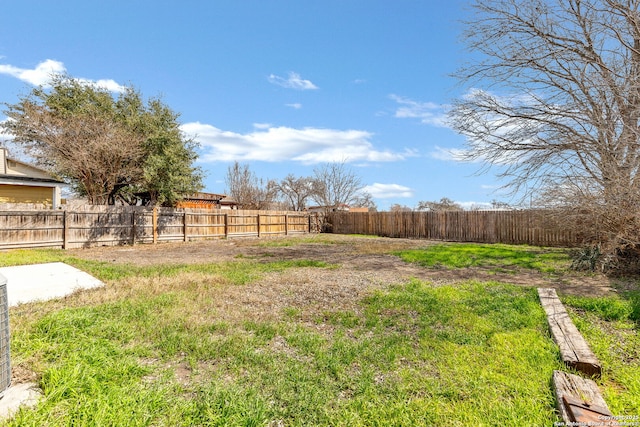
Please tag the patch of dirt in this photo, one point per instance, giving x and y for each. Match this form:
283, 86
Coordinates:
21, 374
357, 258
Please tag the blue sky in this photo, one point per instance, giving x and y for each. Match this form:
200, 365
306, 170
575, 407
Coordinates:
281, 85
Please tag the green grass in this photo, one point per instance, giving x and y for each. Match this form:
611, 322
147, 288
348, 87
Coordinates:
240, 272
496, 256
610, 326
30, 256
408, 358
152, 349
608, 308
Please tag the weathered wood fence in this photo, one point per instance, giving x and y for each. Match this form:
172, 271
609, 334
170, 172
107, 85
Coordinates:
100, 225
513, 227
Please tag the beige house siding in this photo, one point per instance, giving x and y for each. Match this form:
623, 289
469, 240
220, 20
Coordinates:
3, 161
23, 183
17, 168
27, 194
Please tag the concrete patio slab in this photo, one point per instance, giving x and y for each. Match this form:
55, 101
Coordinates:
39, 282
16, 396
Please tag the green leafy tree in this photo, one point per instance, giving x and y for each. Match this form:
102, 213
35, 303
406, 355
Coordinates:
168, 169
108, 149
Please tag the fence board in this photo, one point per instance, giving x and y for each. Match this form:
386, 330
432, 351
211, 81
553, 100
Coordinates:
111, 225
513, 227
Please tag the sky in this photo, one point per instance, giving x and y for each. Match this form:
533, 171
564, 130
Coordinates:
283, 86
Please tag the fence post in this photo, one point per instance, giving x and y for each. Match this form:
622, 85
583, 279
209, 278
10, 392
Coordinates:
65, 230
133, 226
258, 216
155, 224
226, 225
286, 224
184, 225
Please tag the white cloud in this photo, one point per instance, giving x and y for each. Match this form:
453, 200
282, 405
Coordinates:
43, 72
262, 125
295, 106
428, 112
275, 144
108, 84
38, 76
293, 81
387, 191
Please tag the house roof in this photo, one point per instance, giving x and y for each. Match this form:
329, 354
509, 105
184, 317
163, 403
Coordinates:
205, 196
17, 171
228, 201
26, 179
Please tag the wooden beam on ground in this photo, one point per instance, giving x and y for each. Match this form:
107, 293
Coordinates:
574, 350
579, 401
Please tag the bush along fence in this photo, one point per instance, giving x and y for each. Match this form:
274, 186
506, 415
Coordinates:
120, 225
512, 227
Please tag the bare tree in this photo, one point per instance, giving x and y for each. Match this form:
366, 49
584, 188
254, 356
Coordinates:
445, 204
365, 200
336, 185
396, 207
560, 110
296, 191
249, 191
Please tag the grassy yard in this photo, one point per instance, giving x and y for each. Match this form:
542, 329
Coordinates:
498, 257
149, 349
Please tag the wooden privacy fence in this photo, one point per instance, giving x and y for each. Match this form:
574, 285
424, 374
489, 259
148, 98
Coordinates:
513, 227
106, 225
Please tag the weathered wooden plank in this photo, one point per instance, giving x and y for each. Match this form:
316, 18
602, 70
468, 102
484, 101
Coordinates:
574, 350
579, 401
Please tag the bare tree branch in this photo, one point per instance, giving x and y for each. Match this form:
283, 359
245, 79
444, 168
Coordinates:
336, 185
560, 114
249, 191
296, 191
